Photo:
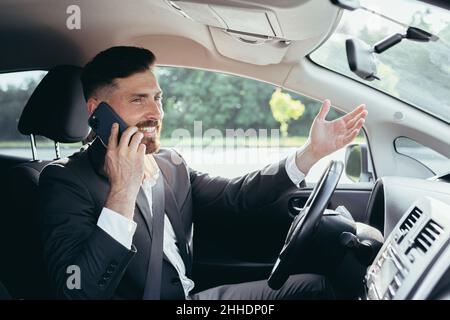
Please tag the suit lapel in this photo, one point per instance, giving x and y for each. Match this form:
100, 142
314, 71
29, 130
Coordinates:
158, 197
174, 214
143, 208
158, 203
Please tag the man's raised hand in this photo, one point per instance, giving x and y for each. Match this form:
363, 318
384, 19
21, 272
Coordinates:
325, 137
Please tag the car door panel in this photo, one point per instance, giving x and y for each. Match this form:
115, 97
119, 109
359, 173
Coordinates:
237, 249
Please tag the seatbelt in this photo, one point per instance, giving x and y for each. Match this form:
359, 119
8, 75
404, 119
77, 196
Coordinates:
152, 290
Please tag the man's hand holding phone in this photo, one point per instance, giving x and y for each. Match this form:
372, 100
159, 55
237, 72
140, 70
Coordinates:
124, 165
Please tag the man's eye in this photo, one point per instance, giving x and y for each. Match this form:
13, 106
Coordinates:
158, 98
137, 100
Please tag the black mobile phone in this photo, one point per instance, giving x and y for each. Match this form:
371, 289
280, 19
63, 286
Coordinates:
102, 119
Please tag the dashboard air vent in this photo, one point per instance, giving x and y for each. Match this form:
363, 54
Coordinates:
424, 240
427, 236
410, 220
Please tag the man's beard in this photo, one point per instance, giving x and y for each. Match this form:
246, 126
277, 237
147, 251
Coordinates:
152, 143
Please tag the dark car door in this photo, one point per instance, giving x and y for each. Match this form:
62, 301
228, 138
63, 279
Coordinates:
231, 251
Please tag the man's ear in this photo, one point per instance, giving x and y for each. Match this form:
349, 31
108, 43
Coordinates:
92, 104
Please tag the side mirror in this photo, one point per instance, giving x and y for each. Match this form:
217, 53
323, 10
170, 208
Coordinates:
361, 59
357, 163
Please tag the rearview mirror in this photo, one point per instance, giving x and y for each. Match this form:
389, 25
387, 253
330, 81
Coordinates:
361, 59
357, 163
347, 4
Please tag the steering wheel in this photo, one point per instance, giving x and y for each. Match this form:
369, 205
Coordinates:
305, 224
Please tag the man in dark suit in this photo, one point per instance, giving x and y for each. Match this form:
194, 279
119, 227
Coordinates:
120, 211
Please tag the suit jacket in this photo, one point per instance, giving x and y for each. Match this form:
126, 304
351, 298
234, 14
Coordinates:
73, 191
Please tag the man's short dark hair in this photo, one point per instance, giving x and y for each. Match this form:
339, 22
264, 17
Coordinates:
113, 63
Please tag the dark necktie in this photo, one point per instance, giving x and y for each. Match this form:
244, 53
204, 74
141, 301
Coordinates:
152, 290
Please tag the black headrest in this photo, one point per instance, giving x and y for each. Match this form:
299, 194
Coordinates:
57, 109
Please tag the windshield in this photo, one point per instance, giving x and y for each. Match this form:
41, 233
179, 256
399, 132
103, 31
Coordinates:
417, 73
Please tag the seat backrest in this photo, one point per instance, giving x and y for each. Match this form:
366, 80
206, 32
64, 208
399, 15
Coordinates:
23, 269
8, 221
4, 294
55, 110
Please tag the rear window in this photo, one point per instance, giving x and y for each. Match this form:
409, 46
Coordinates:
15, 90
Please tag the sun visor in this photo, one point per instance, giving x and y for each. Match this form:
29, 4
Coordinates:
260, 31
253, 21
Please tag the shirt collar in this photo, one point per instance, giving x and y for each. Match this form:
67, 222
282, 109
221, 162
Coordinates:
151, 166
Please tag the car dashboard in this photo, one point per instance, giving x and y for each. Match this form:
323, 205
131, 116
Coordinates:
414, 260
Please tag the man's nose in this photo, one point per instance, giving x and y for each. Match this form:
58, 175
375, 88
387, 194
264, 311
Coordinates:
155, 111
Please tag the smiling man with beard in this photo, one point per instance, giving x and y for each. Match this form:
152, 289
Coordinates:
123, 211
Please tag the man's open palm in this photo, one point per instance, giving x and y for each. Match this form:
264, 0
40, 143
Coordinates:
329, 136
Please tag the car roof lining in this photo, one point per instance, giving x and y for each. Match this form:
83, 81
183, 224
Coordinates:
33, 36
40, 28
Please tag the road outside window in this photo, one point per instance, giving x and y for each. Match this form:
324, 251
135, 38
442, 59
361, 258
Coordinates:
224, 125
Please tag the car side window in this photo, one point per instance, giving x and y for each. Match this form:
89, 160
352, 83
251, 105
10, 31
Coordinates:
433, 160
15, 90
228, 125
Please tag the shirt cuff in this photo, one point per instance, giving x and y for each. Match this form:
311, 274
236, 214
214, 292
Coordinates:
117, 226
293, 171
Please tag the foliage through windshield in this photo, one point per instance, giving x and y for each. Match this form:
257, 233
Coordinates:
417, 73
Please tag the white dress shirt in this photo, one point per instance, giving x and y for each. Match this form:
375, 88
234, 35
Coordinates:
122, 229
